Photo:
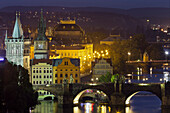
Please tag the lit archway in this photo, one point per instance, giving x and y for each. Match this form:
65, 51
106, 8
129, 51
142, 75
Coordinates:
42, 94
127, 101
76, 99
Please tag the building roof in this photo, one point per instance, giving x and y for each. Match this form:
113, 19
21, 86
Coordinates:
68, 25
67, 47
36, 61
108, 60
74, 61
112, 38
17, 32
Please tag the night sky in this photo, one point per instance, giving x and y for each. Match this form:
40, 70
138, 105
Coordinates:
125, 4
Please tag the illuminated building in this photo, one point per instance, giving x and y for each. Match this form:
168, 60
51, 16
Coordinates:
26, 62
101, 67
15, 44
68, 33
41, 42
84, 52
41, 71
65, 68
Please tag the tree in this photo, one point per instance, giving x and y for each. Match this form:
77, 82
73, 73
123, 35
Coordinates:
110, 78
18, 92
156, 52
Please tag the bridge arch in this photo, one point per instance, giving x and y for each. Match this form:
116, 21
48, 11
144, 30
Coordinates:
129, 97
42, 94
80, 93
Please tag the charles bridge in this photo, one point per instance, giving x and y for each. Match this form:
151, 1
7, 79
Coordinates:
119, 94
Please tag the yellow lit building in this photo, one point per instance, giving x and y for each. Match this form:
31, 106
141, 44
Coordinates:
65, 68
83, 51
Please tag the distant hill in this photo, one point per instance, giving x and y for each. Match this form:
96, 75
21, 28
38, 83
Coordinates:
135, 12
90, 18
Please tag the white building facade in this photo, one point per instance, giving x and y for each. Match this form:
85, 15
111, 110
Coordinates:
15, 44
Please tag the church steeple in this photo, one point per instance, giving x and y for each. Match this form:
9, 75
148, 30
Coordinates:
41, 42
41, 28
17, 32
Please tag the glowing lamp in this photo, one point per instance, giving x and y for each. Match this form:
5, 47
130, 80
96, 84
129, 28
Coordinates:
2, 59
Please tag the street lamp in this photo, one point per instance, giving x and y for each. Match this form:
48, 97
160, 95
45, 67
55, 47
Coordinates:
129, 53
166, 54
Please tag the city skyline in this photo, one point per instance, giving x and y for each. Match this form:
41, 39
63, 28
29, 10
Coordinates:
123, 4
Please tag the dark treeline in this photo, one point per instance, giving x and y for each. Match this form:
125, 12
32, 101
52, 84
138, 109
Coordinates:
17, 94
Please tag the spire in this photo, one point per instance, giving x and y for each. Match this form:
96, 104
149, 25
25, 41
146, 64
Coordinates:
41, 28
6, 35
17, 32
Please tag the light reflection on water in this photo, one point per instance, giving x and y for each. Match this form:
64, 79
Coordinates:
139, 104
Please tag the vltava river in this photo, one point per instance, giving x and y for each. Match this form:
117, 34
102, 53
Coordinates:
139, 104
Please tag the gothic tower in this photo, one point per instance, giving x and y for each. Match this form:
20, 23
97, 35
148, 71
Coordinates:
14, 45
41, 42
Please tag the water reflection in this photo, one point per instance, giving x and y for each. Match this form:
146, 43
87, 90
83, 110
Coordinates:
139, 104
92, 108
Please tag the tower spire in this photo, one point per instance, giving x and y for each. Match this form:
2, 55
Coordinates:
41, 28
17, 32
6, 35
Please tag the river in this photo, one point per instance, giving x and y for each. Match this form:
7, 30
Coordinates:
140, 103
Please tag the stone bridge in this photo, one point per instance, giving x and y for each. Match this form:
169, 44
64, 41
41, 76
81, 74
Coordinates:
118, 93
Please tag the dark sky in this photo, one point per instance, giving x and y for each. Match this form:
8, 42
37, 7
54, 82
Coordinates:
125, 4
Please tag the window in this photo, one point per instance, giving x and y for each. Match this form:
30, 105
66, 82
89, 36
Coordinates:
61, 75
55, 81
47, 76
40, 82
47, 71
60, 69
50, 71
50, 76
44, 76
76, 75
60, 81
34, 76
76, 69
44, 71
44, 93
40, 76
40, 71
76, 81
33, 82
37, 76
37, 71
37, 82
66, 69
44, 82
55, 75
71, 70
47, 82
66, 63
66, 75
